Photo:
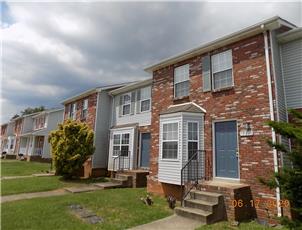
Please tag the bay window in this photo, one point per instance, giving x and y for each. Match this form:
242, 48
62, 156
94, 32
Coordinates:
192, 138
181, 81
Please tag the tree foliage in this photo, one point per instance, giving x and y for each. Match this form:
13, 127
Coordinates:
289, 179
71, 146
30, 110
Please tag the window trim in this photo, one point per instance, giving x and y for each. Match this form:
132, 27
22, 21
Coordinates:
86, 109
145, 111
120, 144
212, 72
162, 141
198, 133
123, 104
175, 83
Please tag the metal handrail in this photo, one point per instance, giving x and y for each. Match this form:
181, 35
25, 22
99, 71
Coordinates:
120, 166
192, 171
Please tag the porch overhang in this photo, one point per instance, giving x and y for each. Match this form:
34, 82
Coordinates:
190, 107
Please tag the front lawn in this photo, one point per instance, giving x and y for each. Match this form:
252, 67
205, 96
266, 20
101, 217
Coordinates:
120, 209
243, 226
39, 184
22, 168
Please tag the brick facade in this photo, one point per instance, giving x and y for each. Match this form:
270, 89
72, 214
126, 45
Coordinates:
17, 132
92, 106
247, 101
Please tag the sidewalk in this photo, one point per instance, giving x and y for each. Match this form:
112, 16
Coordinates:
170, 223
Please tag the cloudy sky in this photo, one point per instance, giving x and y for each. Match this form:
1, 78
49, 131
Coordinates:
51, 51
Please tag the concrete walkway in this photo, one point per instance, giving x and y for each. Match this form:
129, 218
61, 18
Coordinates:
24, 196
27, 176
170, 223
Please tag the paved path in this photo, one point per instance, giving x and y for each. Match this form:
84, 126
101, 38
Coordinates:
24, 196
27, 176
170, 223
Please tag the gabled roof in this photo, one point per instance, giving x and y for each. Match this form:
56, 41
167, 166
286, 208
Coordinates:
189, 107
132, 86
269, 24
91, 91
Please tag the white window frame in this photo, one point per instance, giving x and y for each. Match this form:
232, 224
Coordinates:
188, 140
222, 70
84, 109
187, 80
162, 141
125, 104
145, 99
120, 144
73, 110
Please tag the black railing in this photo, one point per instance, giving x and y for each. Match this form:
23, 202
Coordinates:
122, 160
192, 172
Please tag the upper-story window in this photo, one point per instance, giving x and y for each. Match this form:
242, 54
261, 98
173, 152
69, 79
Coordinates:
222, 73
72, 112
85, 108
126, 104
145, 102
40, 122
181, 81
170, 140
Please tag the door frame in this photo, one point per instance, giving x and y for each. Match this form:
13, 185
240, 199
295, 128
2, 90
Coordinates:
140, 150
214, 150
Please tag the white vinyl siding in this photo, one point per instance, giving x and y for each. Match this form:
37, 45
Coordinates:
222, 73
181, 81
145, 99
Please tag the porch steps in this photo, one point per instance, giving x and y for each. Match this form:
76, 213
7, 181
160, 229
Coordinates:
207, 207
108, 185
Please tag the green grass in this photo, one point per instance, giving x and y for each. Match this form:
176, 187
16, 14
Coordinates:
227, 226
38, 184
120, 209
22, 168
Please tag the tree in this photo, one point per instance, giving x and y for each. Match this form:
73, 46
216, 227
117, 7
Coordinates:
289, 179
30, 110
15, 116
71, 146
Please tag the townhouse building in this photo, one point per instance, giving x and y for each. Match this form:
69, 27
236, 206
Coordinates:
208, 131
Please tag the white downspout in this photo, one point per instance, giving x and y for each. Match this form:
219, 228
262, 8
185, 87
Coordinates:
270, 95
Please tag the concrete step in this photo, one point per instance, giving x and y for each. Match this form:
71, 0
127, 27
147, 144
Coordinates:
205, 196
200, 204
194, 213
81, 189
123, 176
121, 181
108, 185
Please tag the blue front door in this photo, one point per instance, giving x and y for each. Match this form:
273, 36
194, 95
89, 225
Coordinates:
145, 150
226, 159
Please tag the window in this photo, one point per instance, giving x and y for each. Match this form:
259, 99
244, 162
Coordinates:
222, 72
40, 122
181, 81
192, 138
121, 144
85, 108
126, 104
170, 141
73, 109
145, 102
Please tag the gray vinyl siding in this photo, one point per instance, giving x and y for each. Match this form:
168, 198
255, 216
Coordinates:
27, 124
291, 56
281, 100
101, 139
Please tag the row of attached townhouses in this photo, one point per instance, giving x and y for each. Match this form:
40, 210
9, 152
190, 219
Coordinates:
196, 129
28, 135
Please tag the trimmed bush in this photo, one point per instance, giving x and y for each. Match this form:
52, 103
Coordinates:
71, 145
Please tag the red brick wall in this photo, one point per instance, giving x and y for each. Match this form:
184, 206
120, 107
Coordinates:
17, 130
91, 117
3, 130
247, 102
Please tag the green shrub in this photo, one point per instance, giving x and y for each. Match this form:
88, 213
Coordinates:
71, 145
